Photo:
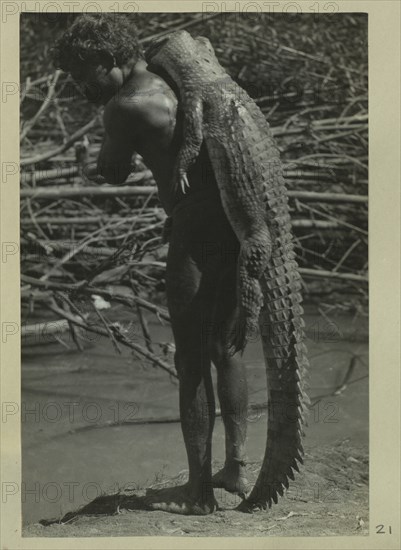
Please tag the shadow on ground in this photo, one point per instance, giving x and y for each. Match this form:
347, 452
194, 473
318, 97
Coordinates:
328, 497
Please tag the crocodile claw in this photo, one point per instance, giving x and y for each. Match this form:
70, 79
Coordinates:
184, 182
180, 180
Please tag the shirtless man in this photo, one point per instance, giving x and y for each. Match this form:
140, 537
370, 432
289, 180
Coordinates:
142, 114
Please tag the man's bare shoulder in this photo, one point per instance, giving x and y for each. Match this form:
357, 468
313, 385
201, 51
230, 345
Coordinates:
144, 104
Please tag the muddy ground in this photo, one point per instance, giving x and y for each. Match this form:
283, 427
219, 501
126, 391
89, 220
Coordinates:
119, 450
329, 497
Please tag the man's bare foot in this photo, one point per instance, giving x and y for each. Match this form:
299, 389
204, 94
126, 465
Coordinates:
177, 500
232, 478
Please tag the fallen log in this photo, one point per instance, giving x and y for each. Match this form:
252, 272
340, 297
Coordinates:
43, 330
320, 273
113, 191
51, 173
85, 221
318, 224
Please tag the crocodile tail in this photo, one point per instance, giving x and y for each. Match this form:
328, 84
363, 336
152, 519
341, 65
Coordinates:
281, 327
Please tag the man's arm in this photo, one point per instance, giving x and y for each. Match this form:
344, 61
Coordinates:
114, 161
128, 127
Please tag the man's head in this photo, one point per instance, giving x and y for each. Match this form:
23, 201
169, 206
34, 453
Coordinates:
96, 50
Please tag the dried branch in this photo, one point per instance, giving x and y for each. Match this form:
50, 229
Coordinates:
75, 137
111, 191
31, 123
118, 335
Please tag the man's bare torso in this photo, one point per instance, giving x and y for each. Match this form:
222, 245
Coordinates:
145, 115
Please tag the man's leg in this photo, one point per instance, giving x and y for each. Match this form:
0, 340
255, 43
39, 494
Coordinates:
231, 387
191, 296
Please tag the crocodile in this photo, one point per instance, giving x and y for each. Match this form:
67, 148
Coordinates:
248, 171
243, 155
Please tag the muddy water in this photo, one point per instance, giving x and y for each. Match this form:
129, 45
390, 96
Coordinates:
71, 402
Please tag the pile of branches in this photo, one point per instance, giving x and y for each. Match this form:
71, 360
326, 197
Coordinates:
81, 239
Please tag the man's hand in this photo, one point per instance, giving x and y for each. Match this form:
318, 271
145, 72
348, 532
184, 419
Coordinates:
90, 172
115, 159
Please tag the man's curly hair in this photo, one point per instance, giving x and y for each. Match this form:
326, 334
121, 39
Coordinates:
91, 35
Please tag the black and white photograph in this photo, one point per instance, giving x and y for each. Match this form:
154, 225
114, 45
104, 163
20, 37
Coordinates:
194, 275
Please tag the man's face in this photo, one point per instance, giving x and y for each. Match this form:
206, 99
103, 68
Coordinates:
97, 82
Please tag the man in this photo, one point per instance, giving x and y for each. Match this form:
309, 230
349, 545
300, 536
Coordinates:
142, 114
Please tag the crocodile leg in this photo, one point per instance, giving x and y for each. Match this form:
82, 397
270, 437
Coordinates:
192, 139
252, 261
247, 215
